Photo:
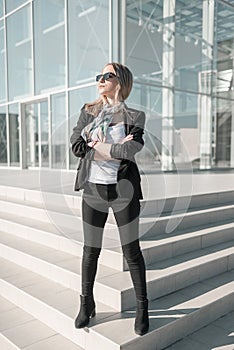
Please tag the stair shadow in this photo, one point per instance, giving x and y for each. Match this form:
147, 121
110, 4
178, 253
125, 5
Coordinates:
169, 308
158, 318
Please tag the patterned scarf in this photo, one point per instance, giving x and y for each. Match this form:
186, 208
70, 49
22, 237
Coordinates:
97, 129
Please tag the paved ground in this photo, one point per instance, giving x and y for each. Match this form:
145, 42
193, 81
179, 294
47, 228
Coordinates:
217, 336
160, 185
220, 334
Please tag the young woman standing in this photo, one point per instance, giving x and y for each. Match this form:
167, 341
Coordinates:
106, 138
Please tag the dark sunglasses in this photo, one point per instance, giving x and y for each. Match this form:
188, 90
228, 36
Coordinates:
105, 76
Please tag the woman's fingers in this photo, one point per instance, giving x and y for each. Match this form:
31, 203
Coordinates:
127, 138
92, 143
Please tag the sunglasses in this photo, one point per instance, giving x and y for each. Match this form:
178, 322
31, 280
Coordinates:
105, 76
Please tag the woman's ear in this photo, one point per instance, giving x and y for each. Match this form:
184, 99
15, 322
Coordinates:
117, 94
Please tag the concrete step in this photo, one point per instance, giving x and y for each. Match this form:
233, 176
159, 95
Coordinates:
149, 226
20, 330
217, 336
69, 203
47, 301
163, 277
154, 249
171, 317
183, 222
64, 239
70, 220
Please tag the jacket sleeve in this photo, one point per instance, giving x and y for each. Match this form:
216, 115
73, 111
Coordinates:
79, 145
128, 149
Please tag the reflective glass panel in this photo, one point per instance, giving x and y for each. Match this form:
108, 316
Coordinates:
32, 134
149, 99
186, 128
77, 99
1, 8
224, 133
49, 44
3, 136
59, 131
88, 22
144, 39
2, 63
14, 134
19, 45
224, 142
188, 44
13, 4
44, 129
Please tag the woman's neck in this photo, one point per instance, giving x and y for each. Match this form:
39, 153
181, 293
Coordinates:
112, 101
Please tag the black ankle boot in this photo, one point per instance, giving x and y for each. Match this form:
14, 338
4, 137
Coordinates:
142, 317
87, 310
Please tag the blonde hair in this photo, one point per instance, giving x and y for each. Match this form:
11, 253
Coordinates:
125, 79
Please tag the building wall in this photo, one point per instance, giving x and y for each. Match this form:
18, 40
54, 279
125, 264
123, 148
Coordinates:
181, 54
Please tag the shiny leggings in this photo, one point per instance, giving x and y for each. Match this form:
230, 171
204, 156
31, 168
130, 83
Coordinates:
95, 204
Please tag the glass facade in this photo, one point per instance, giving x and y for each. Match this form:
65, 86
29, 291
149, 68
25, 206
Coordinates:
19, 54
2, 63
183, 73
88, 35
14, 134
49, 44
13, 4
181, 55
3, 136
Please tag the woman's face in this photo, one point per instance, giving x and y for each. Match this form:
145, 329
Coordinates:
108, 88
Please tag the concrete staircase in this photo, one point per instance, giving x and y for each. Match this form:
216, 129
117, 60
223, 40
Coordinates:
188, 248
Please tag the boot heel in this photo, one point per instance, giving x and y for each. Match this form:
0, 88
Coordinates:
142, 317
93, 313
87, 311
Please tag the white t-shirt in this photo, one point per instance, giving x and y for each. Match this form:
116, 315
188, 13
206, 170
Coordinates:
105, 171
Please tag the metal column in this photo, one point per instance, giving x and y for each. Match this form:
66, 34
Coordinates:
168, 80
206, 84
232, 111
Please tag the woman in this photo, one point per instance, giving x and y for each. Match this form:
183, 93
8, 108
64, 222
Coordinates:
107, 137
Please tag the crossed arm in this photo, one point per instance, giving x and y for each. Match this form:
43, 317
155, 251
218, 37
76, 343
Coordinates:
126, 149
102, 150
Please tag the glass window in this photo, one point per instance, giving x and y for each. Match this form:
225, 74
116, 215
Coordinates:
44, 121
59, 131
13, 4
49, 44
186, 128
1, 8
3, 137
88, 23
224, 141
224, 135
149, 99
144, 35
19, 45
2, 63
14, 134
32, 134
77, 99
188, 44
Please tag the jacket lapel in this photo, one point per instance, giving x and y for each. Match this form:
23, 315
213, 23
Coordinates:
128, 120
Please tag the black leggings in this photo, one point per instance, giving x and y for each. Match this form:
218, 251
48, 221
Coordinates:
96, 201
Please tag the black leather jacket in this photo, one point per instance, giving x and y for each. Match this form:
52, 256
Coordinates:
134, 122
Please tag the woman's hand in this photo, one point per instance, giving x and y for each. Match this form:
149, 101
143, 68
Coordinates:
127, 138
92, 143
102, 151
